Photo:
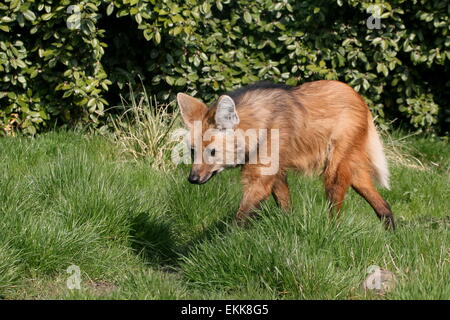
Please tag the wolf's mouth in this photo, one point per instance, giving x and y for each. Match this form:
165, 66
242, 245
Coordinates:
212, 174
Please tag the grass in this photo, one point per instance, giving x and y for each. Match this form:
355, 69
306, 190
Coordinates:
141, 233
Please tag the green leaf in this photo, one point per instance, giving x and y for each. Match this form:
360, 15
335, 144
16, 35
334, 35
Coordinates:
381, 68
138, 18
91, 102
148, 34
29, 15
170, 81
110, 9
247, 17
47, 16
157, 37
14, 4
180, 82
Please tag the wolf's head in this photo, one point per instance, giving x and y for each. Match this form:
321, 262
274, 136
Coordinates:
210, 135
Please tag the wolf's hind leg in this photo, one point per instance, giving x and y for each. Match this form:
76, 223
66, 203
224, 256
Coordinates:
362, 184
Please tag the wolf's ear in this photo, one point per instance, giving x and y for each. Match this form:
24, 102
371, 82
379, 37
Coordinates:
191, 109
226, 115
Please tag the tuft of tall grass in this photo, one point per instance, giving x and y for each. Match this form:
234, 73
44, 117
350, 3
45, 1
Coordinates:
144, 130
10, 267
400, 152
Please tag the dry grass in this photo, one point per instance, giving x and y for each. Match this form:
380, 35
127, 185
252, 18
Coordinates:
144, 130
397, 150
400, 153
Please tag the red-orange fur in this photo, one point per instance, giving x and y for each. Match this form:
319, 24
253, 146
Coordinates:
323, 128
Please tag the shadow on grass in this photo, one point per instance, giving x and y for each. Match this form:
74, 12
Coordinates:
218, 228
153, 239
157, 242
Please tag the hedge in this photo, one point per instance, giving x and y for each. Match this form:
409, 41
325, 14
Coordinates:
65, 63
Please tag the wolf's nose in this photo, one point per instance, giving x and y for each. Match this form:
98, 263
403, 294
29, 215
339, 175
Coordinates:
193, 178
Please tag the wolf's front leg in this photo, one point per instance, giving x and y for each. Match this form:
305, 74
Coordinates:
280, 191
257, 188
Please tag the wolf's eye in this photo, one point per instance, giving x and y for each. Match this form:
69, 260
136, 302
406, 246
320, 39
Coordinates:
192, 153
213, 152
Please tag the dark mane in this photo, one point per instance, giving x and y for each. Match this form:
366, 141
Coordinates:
261, 85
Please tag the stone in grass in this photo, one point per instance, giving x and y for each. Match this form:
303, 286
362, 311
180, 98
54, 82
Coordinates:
379, 280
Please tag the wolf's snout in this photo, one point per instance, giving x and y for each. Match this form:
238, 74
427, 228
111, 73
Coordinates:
194, 178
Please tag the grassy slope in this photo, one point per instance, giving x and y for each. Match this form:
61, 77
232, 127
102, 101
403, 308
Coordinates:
136, 233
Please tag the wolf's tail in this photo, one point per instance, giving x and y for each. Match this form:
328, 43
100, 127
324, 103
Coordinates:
376, 155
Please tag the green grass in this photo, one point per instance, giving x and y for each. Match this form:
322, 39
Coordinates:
68, 198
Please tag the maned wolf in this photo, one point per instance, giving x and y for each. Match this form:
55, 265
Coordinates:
321, 126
